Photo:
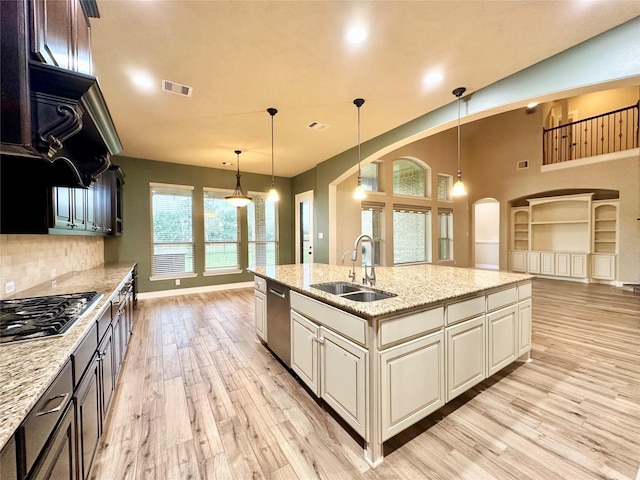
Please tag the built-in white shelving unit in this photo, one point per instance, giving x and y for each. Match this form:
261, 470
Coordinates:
569, 236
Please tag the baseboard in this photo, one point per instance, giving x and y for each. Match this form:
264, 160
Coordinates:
187, 291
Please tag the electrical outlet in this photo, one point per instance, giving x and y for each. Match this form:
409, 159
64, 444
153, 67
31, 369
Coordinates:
54, 273
9, 287
177, 281
54, 284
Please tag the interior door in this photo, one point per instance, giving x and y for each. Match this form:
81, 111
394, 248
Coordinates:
304, 227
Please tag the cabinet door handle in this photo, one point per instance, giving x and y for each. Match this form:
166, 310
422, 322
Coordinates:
63, 396
320, 340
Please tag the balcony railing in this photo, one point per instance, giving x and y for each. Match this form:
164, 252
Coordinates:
607, 133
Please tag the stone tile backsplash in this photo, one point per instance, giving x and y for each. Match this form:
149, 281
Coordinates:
29, 260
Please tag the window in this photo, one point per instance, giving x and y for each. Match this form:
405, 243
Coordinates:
369, 177
411, 177
445, 185
411, 234
221, 233
172, 247
262, 219
372, 215
445, 235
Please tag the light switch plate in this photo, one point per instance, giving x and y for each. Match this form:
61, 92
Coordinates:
9, 287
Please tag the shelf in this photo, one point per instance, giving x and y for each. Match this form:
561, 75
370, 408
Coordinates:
604, 241
558, 222
605, 219
610, 230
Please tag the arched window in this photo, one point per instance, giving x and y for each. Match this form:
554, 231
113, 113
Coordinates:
411, 177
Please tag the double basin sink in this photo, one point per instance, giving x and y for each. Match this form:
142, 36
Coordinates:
353, 291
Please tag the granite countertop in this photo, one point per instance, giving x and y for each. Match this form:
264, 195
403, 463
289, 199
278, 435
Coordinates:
28, 368
416, 286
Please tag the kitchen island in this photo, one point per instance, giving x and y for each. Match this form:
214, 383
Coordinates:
29, 368
383, 365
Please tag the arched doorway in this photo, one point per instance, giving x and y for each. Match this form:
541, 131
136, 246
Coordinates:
486, 233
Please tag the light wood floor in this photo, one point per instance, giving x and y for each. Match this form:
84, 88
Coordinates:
199, 398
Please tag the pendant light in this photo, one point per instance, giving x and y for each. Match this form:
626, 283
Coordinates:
458, 187
359, 192
273, 193
238, 198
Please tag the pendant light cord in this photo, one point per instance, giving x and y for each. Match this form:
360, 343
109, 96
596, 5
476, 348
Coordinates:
459, 136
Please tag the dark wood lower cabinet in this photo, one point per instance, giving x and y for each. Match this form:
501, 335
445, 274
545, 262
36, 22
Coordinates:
89, 417
107, 372
8, 461
59, 460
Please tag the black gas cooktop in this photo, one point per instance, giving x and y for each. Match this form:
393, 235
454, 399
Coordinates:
38, 317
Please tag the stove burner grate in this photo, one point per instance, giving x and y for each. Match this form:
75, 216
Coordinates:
37, 317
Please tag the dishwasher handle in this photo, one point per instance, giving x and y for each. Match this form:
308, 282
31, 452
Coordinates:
276, 292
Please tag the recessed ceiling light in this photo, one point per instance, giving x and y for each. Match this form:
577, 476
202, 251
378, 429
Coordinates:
356, 35
432, 79
143, 81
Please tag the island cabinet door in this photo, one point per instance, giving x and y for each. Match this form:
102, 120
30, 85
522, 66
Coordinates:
502, 335
260, 315
343, 378
466, 359
524, 327
305, 336
412, 382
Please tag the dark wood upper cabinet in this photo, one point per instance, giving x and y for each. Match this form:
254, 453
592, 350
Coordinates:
52, 107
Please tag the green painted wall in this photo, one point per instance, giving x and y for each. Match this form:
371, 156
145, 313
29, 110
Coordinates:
134, 244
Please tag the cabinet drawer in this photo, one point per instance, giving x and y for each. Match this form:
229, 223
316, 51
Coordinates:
524, 291
260, 284
409, 326
465, 309
83, 354
348, 325
45, 415
501, 298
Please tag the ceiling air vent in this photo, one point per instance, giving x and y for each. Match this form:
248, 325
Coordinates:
178, 89
317, 126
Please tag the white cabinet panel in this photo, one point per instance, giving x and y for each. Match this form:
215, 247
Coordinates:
533, 262
466, 361
411, 382
524, 327
260, 304
547, 263
343, 382
563, 264
518, 261
502, 335
304, 351
603, 267
579, 265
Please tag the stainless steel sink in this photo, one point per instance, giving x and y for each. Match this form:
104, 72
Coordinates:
352, 291
337, 288
368, 296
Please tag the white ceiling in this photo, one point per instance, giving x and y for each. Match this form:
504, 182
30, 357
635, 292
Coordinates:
242, 57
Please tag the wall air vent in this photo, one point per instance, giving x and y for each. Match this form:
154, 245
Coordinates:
318, 126
178, 89
522, 164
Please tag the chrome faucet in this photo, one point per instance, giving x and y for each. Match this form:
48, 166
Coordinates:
352, 272
370, 278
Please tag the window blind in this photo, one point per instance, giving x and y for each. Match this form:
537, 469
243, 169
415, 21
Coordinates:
221, 232
262, 224
172, 252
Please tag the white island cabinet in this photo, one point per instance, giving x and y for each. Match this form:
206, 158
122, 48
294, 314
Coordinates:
386, 364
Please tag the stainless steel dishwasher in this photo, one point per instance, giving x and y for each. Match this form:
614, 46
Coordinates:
278, 321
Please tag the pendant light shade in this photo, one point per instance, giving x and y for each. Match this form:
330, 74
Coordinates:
238, 198
359, 192
458, 187
273, 193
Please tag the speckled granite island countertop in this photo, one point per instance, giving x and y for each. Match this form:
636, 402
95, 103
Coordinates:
416, 286
27, 368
